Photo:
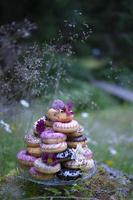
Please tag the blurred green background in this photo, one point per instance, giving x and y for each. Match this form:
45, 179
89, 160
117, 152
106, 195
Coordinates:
39, 74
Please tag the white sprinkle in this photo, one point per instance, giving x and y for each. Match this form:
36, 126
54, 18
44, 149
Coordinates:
92, 141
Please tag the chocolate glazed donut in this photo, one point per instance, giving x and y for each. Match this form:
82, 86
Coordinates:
69, 174
77, 139
65, 155
73, 142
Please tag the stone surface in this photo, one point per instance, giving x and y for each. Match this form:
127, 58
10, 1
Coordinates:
106, 184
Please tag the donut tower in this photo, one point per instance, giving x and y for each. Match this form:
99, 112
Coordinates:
56, 146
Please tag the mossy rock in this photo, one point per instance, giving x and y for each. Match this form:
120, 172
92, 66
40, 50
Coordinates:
106, 184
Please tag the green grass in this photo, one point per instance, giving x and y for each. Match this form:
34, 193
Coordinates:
111, 127
10, 143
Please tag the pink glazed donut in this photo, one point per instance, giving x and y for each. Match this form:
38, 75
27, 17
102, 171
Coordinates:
69, 127
25, 159
51, 137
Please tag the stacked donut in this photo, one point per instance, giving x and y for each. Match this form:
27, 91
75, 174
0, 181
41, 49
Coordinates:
52, 143
27, 157
57, 146
77, 157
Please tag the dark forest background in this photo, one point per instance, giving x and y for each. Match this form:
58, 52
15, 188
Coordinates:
111, 22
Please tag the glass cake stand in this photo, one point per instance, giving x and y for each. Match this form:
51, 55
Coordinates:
24, 174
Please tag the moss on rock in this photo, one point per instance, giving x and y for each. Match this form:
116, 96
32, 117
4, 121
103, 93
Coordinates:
101, 186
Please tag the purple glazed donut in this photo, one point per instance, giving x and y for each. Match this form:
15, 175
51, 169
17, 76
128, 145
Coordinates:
25, 159
38, 175
51, 137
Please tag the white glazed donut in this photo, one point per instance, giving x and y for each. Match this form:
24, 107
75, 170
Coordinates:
72, 164
45, 168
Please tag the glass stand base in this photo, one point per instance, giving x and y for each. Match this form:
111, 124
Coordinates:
24, 174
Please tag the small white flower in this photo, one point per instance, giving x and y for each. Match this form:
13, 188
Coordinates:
24, 103
112, 151
84, 114
93, 142
5, 126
